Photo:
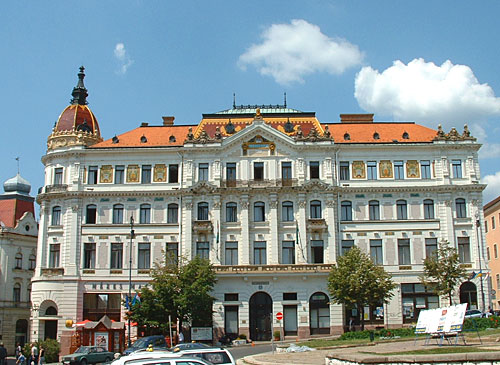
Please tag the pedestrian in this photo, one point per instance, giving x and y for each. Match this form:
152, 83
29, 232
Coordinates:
21, 360
19, 349
41, 356
351, 324
34, 354
3, 354
181, 337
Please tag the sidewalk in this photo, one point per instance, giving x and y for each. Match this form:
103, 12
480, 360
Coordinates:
318, 356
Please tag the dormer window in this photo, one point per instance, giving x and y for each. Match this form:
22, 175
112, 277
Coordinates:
406, 135
172, 139
376, 135
229, 127
115, 139
347, 137
143, 139
288, 127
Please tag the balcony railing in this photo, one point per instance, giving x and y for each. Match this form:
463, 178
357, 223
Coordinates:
202, 226
256, 269
316, 224
57, 188
53, 271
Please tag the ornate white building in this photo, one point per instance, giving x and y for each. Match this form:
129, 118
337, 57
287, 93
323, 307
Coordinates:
270, 194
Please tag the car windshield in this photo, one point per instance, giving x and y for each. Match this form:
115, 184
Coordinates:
141, 342
83, 350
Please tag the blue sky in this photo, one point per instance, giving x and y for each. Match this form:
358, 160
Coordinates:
428, 61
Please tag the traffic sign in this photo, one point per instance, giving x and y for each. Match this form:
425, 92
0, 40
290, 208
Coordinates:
279, 316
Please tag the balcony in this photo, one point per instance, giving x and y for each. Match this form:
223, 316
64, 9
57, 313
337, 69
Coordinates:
52, 271
202, 226
57, 188
316, 224
272, 269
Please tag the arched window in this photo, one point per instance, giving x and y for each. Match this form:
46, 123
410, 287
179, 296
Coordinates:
374, 210
346, 210
56, 216
51, 311
231, 212
287, 211
145, 214
118, 214
19, 260
173, 213
32, 262
91, 215
460, 208
319, 312
203, 211
428, 209
315, 209
402, 209
17, 293
259, 212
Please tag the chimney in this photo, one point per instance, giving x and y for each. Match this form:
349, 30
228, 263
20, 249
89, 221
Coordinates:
168, 120
356, 118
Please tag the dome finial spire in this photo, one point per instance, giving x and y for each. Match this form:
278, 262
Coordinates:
79, 91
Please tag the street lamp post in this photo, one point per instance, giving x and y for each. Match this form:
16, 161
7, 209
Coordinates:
478, 235
129, 299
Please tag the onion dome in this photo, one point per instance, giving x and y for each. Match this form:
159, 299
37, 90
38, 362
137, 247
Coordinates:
17, 185
77, 125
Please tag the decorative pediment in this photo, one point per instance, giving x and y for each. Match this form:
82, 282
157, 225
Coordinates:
453, 135
203, 187
314, 135
203, 137
258, 143
317, 185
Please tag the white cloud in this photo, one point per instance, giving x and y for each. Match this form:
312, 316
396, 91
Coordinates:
488, 149
424, 92
289, 52
493, 189
123, 58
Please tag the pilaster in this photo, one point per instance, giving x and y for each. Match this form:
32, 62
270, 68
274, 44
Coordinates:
186, 248
330, 222
274, 244
244, 252
302, 255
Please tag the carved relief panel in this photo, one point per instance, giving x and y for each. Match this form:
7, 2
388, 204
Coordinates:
385, 168
106, 176
358, 170
412, 169
160, 173
132, 173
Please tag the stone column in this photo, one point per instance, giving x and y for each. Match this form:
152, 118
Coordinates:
43, 243
244, 251
72, 250
216, 252
330, 223
274, 244
186, 249
302, 254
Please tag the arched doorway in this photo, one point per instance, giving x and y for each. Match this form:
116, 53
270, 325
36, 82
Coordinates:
21, 331
50, 325
319, 314
468, 294
261, 308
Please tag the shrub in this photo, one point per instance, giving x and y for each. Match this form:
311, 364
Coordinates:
481, 323
51, 347
277, 334
384, 332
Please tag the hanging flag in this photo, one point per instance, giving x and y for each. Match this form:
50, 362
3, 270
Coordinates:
136, 299
472, 275
127, 300
218, 231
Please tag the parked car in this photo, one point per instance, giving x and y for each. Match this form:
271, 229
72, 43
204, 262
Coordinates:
174, 361
188, 346
88, 355
474, 313
157, 341
214, 355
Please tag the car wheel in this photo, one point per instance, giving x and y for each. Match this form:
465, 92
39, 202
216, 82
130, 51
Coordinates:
107, 359
83, 362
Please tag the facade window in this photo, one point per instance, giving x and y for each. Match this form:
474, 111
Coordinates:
172, 253
374, 210
460, 208
402, 209
231, 172
58, 176
286, 171
231, 253
173, 173
404, 251
498, 281
488, 257
56, 216
91, 214
19, 260
428, 209
425, 167
146, 174
173, 213
145, 214
259, 253
464, 249
317, 251
486, 225
287, 211
259, 212
371, 167
203, 211
346, 245
203, 172
344, 170
95, 306
288, 252
376, 252
495, 251
32, 263
492, 222
119, 174
54, 252
231, 212
456, 166
118, 214
202, 250
431, 247
346, 210
16, 297
315, 209
89, 255
144, 257
399, 171
92, 178
314, 169
116, 255
416, 297
258, 171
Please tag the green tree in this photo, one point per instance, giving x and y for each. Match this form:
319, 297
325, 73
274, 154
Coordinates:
182, 291
357, 282
443, 271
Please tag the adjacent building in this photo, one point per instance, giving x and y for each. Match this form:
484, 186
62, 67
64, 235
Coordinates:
271, 195
18, 241
491, 221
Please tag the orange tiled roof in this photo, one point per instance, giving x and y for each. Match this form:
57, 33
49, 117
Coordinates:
13, 209
155, 136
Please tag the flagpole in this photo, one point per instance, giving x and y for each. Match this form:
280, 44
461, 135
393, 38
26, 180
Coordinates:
478, 235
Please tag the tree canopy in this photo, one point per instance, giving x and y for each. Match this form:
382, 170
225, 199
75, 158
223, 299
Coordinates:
357, 282
182, 291
443, 271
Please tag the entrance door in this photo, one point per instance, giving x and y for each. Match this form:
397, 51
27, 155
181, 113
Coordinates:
319, 316
290, 319
261, 307
231, 321
50, 329
468, 294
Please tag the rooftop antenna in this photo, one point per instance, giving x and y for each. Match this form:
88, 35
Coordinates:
234, 100
17, 159
284, 95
